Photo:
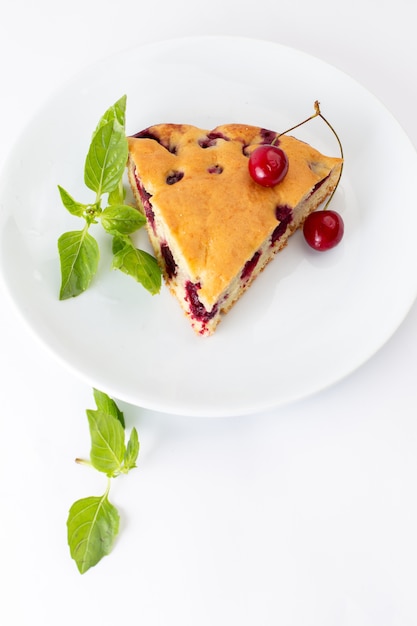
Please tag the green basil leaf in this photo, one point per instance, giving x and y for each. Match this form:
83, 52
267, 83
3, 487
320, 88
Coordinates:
79, 256
132, 451
92, 525
140, 265
107, 442
117, 196
116, 112
121, 219
118, 244
107, 157
107, 405
74, 207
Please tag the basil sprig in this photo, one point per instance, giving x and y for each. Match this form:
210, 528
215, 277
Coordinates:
93, 522
103, 174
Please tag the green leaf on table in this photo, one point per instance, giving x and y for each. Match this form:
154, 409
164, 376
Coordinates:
92, 525
107, 405
142, 266
79, 256
107, 157
121, 219
107, 442
132, 451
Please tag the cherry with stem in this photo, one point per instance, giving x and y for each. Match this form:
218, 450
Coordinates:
268, 165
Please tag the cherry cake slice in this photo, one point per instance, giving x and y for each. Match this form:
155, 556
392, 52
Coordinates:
212, 227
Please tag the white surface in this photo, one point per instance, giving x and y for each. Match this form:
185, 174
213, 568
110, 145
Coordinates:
304, 515
330, 303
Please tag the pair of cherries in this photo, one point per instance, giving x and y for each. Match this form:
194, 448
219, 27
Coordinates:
268, 166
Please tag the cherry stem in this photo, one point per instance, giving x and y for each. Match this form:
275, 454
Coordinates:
317, 108
318, 113
83, 462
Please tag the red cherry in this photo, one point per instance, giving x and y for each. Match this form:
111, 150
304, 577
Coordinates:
268, 165
323, 229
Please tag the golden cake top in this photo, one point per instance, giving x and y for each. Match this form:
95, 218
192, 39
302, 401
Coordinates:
217, 216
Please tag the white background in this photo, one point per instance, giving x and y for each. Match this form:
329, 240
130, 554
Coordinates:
302, 516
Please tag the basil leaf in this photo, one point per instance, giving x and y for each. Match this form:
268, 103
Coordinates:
121, 219
107, 442
140, 265
106, 158
107, 405
117, 196
79, 256
116, 112
118, 244
132, 451
75, 208
92, 525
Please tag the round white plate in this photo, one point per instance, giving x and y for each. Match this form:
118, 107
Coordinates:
310, 318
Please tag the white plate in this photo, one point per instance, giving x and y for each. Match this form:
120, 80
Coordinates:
308, 320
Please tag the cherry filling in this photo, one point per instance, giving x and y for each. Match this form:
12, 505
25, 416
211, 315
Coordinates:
268, 136
319, 184
147, 206
250, 266
215, 169
148, 134
211, 140
283, 213
197, 309
174, 177
170, 265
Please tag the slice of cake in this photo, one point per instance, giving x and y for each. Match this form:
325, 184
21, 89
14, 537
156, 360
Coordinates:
213, 229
